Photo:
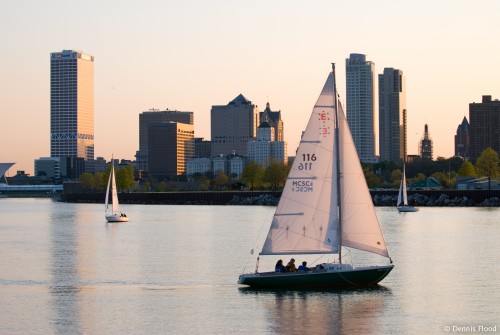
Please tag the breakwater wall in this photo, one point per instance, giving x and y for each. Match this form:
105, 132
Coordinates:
450, 198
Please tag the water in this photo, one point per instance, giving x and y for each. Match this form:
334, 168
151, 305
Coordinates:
173, 270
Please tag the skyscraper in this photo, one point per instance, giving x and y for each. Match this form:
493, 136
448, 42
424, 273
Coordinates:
170, 145
232, 126
274, 120
72, 105
149, 118
462, 140
484, 128
426, 144
392, 115
360, 112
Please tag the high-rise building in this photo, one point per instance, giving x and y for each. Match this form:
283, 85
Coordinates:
392, 115
274, 120
151, 117
72, 105
360, 109
462, 140
232, 126
170, 145
425, 146
484, 128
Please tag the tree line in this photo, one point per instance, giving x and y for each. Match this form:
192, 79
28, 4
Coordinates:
255, 177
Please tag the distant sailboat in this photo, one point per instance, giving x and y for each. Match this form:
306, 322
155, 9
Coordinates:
113, 215
402, 203
325, 205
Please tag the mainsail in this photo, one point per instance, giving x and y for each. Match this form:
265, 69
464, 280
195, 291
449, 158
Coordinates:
402, 196
115, 207
307, 219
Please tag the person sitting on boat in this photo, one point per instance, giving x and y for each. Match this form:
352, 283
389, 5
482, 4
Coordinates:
290, 267
303, 267
280, 267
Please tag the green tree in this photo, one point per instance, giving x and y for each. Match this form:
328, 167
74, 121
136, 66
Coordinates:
252, 174
372, 180
467, 170
125, 178
487, 165
86, 179
442, 178
396, 177
275, 174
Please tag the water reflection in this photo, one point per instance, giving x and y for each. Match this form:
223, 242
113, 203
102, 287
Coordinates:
355, 311
64, 288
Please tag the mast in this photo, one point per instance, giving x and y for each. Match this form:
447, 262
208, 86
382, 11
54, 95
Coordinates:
337, 161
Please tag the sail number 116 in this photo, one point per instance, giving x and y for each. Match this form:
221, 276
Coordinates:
307, 161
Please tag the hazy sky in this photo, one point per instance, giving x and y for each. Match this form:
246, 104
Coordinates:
190, 55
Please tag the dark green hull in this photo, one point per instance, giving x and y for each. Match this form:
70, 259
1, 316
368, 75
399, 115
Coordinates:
318, 279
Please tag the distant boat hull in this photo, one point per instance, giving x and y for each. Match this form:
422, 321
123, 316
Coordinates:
116, 218
407, 209
333, 276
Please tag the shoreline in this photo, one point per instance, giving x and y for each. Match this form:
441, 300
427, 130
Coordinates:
420, 198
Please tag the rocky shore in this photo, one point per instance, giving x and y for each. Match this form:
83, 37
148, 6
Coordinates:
418, 200
443, 200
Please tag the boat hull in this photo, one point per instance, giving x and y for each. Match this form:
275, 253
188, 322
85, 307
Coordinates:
318, 279
116, 218
407, 209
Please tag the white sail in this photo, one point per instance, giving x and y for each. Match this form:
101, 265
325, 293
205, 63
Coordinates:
405, 196
306, 219
115, 206
360, 227
402, 195
106, 202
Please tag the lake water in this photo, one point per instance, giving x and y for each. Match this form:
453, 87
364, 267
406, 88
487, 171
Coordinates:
173, 270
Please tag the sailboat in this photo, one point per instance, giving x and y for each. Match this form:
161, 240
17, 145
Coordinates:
325, 207
402, 204
113, 215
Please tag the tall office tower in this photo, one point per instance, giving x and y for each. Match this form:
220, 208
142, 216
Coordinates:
232, 126
462, 140
484, 126
425, 146
274, 120
72, 105
154, 116
392, 115
170, 145
360, 112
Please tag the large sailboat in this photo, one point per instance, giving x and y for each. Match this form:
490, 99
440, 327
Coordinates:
324, 208
113, 214
402, 204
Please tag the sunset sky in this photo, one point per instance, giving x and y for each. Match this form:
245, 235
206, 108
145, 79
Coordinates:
190, 55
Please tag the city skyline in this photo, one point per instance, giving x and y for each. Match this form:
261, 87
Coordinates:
191, 56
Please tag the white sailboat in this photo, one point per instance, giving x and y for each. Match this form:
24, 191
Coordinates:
402, 204
114, 214
325, 206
